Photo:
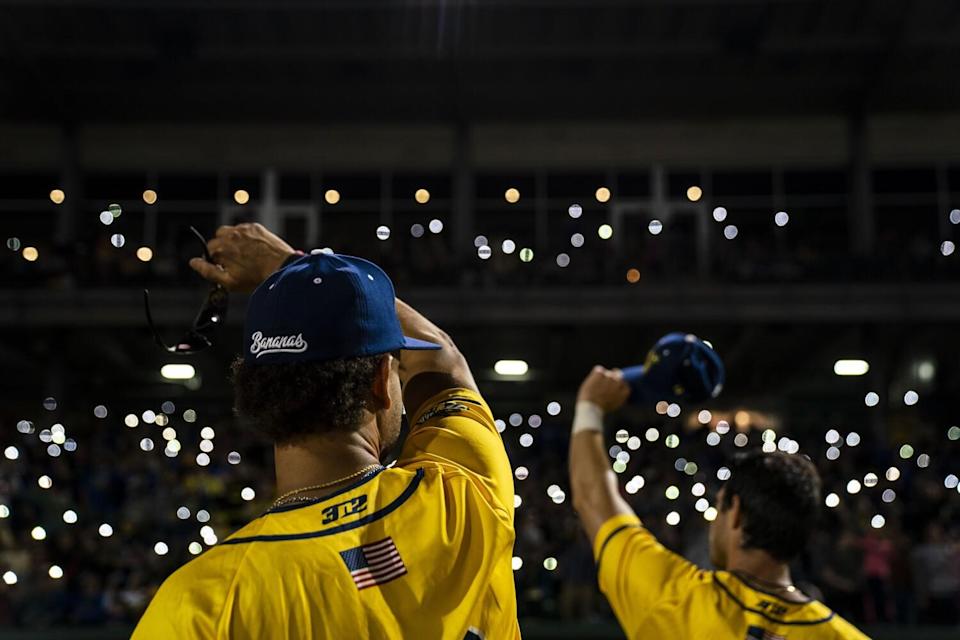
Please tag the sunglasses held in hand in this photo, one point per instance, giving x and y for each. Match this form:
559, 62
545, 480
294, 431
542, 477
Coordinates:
212, 314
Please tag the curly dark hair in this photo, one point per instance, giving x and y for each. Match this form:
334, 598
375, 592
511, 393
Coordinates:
290, 401
779, 501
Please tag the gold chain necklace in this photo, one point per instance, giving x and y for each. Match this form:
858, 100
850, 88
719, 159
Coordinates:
779, 586
289, 495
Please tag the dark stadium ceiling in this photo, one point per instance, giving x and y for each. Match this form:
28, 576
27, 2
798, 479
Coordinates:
460, 60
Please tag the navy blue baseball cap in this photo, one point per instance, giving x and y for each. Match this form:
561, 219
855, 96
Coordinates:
679, 368
324, 307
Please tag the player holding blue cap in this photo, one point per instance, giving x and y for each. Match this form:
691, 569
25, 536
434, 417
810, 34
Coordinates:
766, 512
351, 549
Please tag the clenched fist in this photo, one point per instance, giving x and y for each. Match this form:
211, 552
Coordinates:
245, 255
605, 388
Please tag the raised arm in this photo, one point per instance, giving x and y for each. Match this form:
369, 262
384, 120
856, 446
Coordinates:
246, 254
596, 494
634, 571
424, 374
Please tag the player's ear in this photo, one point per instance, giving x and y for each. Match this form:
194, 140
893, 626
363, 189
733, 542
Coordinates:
735, 513
380, 390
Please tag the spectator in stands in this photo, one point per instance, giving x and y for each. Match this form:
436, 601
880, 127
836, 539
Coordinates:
877, 559
937, 577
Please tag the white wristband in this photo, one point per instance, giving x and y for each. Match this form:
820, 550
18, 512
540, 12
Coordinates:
587, 416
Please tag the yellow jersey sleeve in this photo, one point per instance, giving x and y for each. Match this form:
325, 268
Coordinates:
456, 428
183, 607
636, 572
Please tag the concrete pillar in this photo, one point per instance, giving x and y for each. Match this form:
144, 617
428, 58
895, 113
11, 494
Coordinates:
71, 183
268, 214
463, 191
861, 214
541, 213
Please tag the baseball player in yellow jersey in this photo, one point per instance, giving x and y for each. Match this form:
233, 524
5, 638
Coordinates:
766, 511
351, 549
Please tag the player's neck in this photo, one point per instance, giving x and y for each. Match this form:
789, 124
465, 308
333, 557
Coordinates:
322, 459
761, 566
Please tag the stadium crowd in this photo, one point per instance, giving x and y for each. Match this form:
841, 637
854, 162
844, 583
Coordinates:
907, 571
756, 255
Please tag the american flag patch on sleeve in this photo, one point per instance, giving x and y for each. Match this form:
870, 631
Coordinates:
759, 633
375, 563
